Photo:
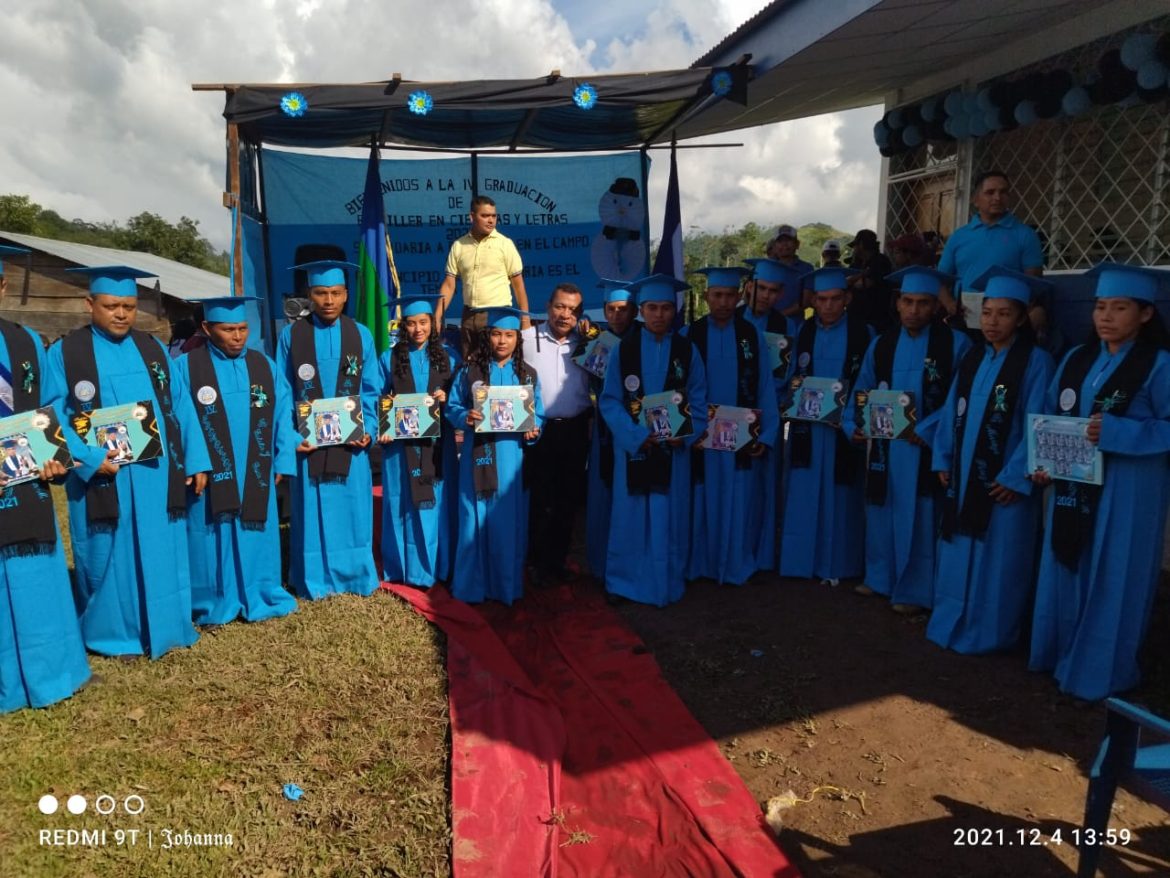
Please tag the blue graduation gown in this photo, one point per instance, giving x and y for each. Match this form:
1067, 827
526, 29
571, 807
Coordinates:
733, 520
823, 522
493, 531
332, 533
42, 658
983, 586
649, 533
132, 580
598, 495
1089, 624
417, 543
900, 534
235, 570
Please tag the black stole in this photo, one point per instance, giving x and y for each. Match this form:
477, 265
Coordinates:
424, 457
847, 457
101, 494
1074, 508
747, 366
27, 522
331, 462
650, 469
991, 446
936, 381
777, 324
483, 446
223, 482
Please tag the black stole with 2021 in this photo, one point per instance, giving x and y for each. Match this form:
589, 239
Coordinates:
990, 446
650, 469
483, 446
936, 381
1074, 506
330, 463
223, 486
747, 366
424, 457
27, 525
847, 457
101, 493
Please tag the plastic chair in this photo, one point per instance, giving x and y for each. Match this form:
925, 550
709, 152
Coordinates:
1122, 759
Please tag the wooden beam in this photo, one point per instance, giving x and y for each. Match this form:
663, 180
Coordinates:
233, 144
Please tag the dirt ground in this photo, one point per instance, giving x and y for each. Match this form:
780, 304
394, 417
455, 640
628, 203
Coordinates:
806, 686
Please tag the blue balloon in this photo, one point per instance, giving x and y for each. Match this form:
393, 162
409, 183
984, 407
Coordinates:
1152, 74
1025, 112
894, 118
983, 100
991, 119
929, 110
1076, 101
962, 126
953, 103
1133, 100
881, 135
978, 126
912, 136
949, 126
971, 104
1138, 49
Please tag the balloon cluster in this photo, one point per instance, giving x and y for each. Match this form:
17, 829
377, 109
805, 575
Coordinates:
1137, 72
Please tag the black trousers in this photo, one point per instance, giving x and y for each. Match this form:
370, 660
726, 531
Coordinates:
556, 481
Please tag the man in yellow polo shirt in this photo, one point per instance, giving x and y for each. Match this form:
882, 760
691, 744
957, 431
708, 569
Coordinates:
489, 266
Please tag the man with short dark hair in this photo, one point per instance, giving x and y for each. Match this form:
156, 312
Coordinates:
556, 463
489, 267
871, 291
783, 249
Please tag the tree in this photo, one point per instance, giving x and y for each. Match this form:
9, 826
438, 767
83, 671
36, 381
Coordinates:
18, 213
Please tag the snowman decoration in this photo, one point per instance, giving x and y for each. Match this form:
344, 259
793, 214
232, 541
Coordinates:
617, 250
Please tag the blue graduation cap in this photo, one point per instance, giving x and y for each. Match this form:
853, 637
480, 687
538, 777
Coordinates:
918, 280
1006, 283
824, 279
5, 250
112, 280
1128, 281
325, 272
772, 271
417, 303
720, 276
657, 288
505, 318
227, 309
615, 290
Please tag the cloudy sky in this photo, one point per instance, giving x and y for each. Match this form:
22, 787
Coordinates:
101, 123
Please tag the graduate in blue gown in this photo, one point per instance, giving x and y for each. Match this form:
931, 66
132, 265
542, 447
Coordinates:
42, 658
824, 519
128, 522
649, 532
1102, 554
233, 532
990, 514
323, 356
419, 490
493, 500
732, 537
619, 318
919, 357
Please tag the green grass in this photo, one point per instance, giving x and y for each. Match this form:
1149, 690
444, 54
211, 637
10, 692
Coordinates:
346, 698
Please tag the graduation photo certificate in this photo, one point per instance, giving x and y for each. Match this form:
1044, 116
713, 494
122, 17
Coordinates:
667, 414
885, 414
130, 431
505, 408
779, 349
408, 416
821, 400
595, 357
335, 420
28, 441
730, 428
1059, 446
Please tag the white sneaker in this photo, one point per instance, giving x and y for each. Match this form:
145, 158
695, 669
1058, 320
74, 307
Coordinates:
833, 583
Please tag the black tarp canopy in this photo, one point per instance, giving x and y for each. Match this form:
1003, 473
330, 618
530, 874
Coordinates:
631, 110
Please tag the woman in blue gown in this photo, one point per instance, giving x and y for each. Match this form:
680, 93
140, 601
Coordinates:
493, 502
1097, 582
983, 587
418, 479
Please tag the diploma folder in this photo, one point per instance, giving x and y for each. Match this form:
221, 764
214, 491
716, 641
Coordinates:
28, 441
334, 420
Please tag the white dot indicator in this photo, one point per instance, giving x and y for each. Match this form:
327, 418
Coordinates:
76, 804
47, 805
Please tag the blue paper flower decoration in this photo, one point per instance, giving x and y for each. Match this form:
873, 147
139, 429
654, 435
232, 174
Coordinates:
721, 83
292, 792
294, 104
420, 103
585, 96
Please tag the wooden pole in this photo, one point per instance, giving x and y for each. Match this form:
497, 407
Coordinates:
231, 200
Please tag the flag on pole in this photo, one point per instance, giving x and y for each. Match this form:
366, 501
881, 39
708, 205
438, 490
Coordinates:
670, 250
374, 287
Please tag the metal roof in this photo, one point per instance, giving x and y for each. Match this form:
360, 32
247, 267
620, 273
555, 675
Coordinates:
174, 278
